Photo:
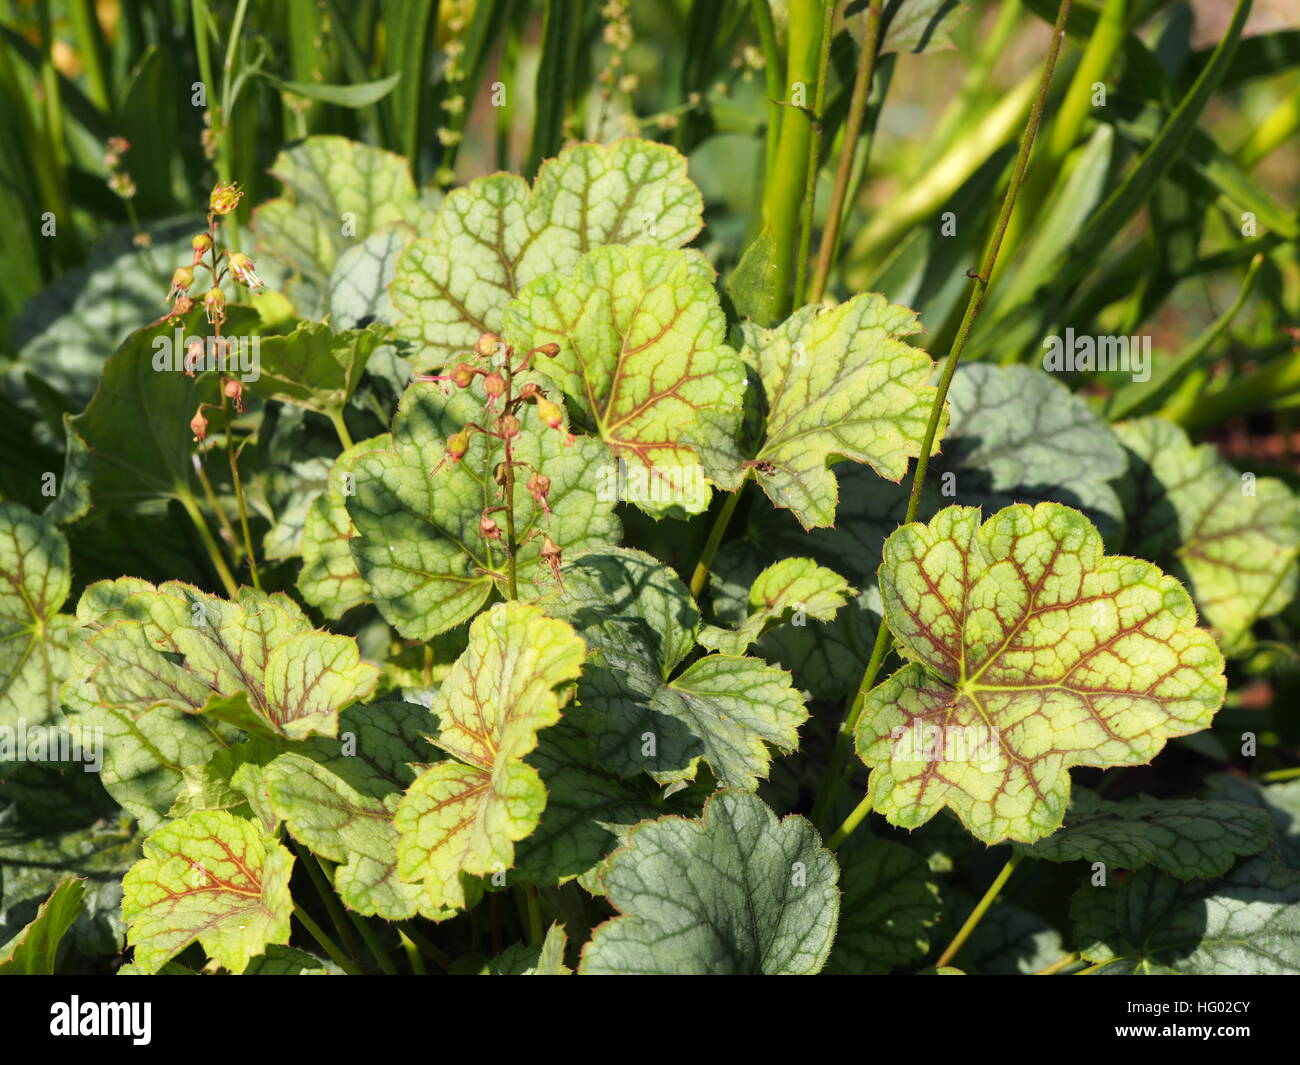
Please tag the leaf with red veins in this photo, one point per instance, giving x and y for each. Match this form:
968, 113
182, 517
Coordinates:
644, 357
255, 662
840, 383
1031, 652
212, 878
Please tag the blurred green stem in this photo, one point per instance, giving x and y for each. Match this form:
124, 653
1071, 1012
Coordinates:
784, 194
843, 172
814, 156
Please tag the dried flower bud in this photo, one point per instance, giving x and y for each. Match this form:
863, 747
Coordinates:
553, 557
488, 528
507, 426
245, 271
233, 387
462, 375
199, 426
487, 344
214, 303
500, 473
225, 197
530, 392
183, 305
539, 485
182, 279
193, 356
494, 385
549, 350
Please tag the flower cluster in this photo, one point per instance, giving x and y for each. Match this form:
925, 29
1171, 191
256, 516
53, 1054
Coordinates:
219, 264
494, 361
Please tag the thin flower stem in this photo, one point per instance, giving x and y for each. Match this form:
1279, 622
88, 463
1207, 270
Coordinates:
214, 551
774, 81
341, 428
1091, 969
333, 907
981, 908
239, 491
413, 956
1276, 775
834, 778
1061, 963
228, 530
719, 530
534, 914
814, 155
512, 545
844, 171
380, 955
326, 944
430, 950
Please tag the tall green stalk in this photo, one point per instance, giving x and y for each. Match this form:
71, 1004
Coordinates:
784, 195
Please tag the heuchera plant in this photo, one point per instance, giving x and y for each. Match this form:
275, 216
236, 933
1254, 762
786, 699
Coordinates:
531, 603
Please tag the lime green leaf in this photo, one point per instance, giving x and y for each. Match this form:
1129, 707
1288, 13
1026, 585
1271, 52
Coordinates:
495, 236
734, 892
210, 877
329, 579
338, 192
338, 797
34, 951
640, 623
464, 815
840, 383
1280, 801
1245, 924
255, 663
1234, 537
890, 902
790, 590
417, 542
35, 576
544, 960
643, 355
359, 94
1190, 839
1031, 652
314, 367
